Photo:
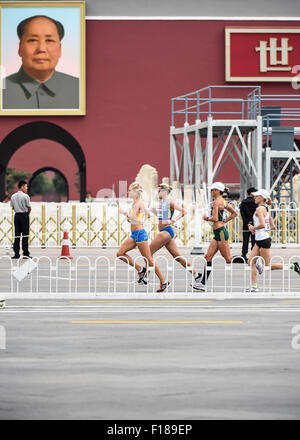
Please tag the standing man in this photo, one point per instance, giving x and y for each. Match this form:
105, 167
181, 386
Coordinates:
89, 198
247, 210
20, 202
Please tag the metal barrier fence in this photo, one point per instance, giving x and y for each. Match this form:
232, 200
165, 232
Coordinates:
86, 277
102, 225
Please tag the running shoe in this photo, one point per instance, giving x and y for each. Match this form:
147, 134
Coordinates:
252, 289
296, 267
142, 274
2, 304
163, 286
197, 285
259, 266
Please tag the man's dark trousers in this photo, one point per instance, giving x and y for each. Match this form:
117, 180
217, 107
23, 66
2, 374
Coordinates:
21, 222
246, 236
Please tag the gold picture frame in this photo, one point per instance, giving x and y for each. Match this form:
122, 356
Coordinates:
19, 91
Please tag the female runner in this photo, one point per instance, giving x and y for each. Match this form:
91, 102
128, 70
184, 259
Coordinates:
165, 236
262, 226
139, 237
220, 240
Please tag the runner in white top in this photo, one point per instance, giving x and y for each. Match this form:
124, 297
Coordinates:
262, 233
262, 225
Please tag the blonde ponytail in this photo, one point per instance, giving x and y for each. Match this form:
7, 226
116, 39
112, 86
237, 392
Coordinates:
136, 186
165, 187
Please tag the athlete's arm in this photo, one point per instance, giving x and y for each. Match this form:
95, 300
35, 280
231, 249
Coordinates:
215, 211
153, 210
232, 211
260, 213
143, 208
175, 206
272, 225
132, 216
122, 211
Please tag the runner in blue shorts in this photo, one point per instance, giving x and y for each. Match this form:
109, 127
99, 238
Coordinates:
166, 236
139, 237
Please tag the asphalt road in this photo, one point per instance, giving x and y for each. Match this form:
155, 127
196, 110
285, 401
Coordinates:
155, 359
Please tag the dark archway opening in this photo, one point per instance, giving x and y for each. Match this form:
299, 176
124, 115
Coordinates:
41, 130
62, 187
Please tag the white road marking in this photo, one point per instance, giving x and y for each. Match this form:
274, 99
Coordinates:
137, 309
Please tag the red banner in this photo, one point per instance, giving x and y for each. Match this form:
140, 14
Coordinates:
262, 54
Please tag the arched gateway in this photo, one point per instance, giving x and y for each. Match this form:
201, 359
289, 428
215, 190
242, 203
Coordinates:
40, 130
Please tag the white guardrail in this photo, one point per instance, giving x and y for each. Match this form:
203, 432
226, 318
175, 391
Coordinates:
84, 277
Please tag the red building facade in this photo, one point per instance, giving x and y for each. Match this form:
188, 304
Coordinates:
133, 69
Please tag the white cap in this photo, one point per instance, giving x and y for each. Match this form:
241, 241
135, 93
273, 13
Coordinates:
263, 193
218, 185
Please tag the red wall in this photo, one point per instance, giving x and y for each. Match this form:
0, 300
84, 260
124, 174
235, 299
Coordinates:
134, 68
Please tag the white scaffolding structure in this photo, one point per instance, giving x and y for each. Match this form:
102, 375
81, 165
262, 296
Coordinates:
202, 141
279, 165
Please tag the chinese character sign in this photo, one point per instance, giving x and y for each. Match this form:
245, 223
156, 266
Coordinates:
261, 54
